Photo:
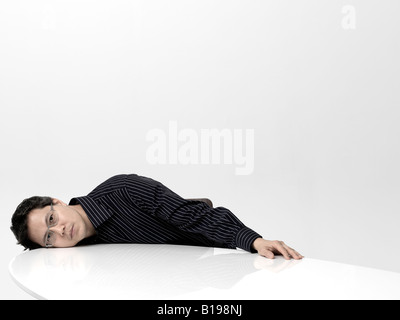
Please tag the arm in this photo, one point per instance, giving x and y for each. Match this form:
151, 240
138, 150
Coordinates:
217, 224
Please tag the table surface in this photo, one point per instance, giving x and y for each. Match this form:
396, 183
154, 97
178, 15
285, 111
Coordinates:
141, 271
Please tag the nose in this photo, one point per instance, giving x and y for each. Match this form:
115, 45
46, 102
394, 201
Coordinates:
59, 229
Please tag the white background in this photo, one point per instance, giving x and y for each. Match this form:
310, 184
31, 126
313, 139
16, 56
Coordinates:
82, 82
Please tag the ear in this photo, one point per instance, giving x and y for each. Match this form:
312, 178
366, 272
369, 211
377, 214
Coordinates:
59, 202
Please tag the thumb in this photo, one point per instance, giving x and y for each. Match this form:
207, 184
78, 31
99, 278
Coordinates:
266, 253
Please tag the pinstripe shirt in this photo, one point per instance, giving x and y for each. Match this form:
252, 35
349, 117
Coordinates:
129, 208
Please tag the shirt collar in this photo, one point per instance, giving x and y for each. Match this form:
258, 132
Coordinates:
96, 213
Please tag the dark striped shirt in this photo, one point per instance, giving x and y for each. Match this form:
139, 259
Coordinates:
129, 208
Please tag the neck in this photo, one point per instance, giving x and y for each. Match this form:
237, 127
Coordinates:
90, 230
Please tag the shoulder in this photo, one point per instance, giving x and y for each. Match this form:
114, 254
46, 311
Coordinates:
110, 185
120, 181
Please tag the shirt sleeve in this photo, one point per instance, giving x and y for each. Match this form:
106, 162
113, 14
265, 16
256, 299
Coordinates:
217, 224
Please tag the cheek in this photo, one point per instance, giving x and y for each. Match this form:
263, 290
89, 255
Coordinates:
36, 236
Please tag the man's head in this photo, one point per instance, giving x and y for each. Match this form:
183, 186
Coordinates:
32, 223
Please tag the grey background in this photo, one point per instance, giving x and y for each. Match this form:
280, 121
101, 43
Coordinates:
82, 82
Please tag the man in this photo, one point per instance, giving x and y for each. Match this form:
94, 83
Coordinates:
129, 208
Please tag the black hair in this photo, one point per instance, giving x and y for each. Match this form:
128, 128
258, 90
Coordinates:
19, 220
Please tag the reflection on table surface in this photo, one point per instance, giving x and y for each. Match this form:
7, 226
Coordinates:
137, 271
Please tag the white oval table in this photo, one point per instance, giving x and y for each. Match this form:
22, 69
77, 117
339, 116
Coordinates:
137, 271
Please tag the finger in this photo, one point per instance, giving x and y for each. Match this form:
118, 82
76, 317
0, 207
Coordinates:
281, 249
296, 255
299, 255
292, 252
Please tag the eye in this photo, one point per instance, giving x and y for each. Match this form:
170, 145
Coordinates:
50, 239
52, 219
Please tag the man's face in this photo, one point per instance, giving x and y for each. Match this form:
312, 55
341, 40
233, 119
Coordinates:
70, 228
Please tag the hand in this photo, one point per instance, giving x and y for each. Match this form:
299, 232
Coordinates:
268, 248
